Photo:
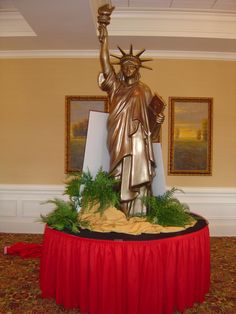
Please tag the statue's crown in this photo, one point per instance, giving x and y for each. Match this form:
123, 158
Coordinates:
131, 58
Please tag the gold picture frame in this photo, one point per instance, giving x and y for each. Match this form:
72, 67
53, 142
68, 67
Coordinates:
77, 114
190, 136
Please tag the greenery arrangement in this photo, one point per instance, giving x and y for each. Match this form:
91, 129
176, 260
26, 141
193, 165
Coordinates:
83, 191
166, 210
64, 217
100, 190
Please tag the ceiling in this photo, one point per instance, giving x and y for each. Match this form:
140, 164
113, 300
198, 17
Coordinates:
166, 28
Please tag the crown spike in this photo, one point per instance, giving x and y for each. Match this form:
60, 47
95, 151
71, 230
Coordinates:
131, 50
146, 59
117, 57
122, 51
139, 53
145, 67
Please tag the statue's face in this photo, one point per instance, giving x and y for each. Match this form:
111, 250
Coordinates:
129, 70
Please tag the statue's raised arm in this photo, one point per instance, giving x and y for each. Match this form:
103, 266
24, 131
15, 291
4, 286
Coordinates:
104, 18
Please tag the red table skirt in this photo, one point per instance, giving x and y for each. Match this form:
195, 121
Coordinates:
125, 277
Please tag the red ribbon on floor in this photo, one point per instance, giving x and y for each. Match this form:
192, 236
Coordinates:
24, 250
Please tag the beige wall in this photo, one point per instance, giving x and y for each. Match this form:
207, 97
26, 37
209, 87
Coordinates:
32, 113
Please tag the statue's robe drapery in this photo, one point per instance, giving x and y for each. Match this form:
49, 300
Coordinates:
129, 139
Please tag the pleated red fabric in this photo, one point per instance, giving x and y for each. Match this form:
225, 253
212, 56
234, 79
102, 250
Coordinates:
129, 277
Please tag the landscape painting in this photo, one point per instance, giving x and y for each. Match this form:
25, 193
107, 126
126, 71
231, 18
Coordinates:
190, 136
77, 115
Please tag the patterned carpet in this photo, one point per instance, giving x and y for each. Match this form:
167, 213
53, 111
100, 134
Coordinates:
20, 293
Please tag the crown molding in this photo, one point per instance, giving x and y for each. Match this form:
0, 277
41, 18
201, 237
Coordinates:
13, 24
173, 24
28, 54
195, 55
158, 54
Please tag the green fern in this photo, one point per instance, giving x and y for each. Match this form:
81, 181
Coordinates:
73, 185
85, 192
166, 210
64, 217
99, 191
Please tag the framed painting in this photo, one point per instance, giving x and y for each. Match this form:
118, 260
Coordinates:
190, 136
77, 115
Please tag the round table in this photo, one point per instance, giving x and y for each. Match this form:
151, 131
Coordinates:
101, 276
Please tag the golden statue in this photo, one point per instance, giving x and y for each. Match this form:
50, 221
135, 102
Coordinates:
133, 121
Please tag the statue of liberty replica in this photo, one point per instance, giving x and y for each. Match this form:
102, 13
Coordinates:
132, 123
